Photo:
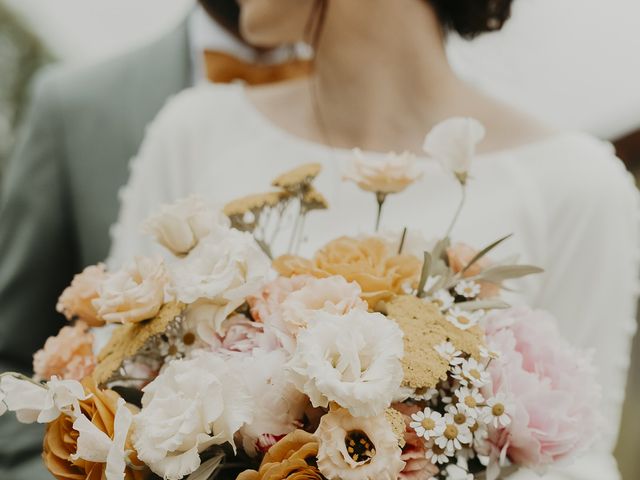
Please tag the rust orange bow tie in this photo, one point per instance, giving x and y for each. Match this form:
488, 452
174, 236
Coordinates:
224, 68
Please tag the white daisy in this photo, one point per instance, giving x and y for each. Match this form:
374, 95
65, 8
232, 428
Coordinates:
438, 455
454, 435
464, 319
467, 289
498, 411
489, 354
469, 397
462, 415
471, 373
442, 299
449, 353
427, 423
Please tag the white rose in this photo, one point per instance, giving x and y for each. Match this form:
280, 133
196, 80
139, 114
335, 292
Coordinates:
180, 226
133, 294
353, 360
41, 403
452, 143
192, 405
383, 175
220, 273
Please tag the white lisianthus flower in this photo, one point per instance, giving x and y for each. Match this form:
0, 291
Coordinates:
94, 445
180, 226
391, 174
41, 403
277, 406
192, 405
133, 294
221, 272
452, 143
352, 448
353, 360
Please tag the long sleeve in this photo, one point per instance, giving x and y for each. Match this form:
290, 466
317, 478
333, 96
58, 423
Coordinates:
37, 260
592, 269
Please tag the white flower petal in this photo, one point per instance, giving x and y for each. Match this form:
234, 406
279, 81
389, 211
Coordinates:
93, 444
452, 143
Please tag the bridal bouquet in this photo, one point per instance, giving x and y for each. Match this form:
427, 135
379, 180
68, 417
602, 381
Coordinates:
379, 357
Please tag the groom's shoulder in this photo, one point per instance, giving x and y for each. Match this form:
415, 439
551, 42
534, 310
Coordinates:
159, 68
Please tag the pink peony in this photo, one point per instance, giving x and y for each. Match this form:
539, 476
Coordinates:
551, 384
417, 465
68, 355
243, 336
286, 305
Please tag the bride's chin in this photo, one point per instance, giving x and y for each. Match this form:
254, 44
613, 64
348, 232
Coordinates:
273, 23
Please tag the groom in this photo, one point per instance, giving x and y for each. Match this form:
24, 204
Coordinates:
60, 191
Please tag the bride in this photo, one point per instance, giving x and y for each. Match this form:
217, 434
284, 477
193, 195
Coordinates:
381, 81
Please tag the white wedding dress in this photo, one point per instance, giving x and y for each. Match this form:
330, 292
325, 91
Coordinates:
569, 202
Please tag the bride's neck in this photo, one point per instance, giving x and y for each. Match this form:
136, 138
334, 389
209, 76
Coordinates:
386, 69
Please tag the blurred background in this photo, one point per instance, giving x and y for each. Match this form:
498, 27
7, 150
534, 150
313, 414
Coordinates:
573, 63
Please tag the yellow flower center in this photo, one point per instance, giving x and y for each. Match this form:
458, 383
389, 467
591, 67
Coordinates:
189, 338
470, 402
498, 409
463, 320
451, 432
460, 418
428, 424
359, 446
475, 373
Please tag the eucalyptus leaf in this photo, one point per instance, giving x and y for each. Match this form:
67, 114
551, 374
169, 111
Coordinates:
484, 251
500, 273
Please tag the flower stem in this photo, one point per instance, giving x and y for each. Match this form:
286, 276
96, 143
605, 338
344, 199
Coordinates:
463, 200
380, 197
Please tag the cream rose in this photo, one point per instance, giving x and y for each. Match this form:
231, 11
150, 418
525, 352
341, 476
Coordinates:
76, 300
357, 448
180, 226
192, 405
133, 294
452, 143
352, 359
219, 274
383, 175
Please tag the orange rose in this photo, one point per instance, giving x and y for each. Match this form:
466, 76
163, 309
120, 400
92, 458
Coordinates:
369, 262
292, 458
460, 255
60, 438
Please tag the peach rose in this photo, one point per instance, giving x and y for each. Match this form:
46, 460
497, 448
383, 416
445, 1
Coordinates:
460, 255
133, 294
68, 355
76, 300
60, 439
370, 262
383, 175
292, 458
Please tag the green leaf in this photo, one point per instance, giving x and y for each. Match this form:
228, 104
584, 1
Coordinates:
500, 273
483, 252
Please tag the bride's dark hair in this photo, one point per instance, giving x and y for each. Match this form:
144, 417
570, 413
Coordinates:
467, 17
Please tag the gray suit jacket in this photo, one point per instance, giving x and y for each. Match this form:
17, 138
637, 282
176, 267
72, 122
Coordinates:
60, 197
